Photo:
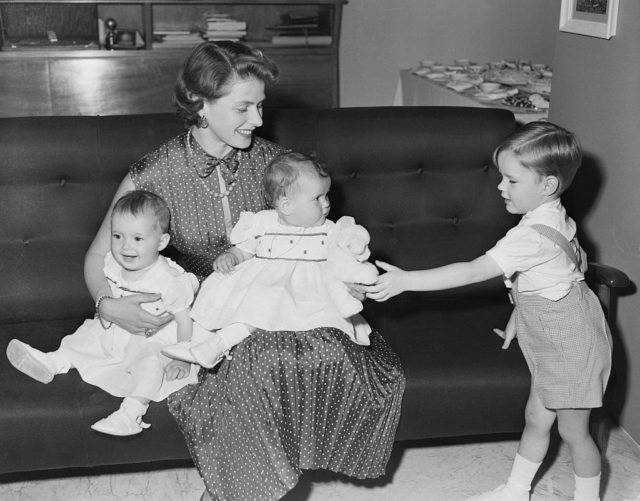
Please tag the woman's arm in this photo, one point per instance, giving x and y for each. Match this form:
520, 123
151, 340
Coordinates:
453, 275
126, 311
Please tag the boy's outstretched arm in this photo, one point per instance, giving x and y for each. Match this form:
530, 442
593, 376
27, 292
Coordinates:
396, 280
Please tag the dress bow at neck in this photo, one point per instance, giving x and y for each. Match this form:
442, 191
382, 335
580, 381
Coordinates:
228, 166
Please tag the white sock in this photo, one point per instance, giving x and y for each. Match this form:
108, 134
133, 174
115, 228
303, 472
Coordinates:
234, 334
587, 488
133, 407
522, 474
60, 362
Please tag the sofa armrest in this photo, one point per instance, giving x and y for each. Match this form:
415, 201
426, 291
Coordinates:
608, 276
607, 282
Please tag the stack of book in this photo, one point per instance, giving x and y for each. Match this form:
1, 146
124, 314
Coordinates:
175, 39
302, 27
223, 27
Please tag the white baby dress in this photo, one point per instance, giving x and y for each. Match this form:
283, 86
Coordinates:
282, 288
124, 364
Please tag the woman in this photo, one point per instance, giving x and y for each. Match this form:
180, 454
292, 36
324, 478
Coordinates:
287, 401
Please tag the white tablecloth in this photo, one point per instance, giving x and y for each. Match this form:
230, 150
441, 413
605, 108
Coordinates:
415, 90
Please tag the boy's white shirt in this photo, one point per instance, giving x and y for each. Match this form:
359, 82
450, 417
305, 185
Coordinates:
543, 268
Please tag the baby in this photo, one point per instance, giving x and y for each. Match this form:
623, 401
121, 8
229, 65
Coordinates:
107, 356
276, 276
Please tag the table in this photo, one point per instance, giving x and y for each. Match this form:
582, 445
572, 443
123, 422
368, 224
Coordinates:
416, 90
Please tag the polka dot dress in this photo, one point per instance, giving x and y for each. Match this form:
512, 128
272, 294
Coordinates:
286, 401
291, 401
198, 229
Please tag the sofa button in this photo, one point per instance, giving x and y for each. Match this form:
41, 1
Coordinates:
485, 167
26, 242
353, 175
455, 220
419, 171
63, 181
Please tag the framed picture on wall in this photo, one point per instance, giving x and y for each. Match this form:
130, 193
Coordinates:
596, 18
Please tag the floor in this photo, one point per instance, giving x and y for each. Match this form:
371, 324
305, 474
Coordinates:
446, 472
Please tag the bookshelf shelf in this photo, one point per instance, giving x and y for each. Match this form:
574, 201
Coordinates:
77, 76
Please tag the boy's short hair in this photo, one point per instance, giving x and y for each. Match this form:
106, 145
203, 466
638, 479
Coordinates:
546, 148
283, 172
144, 202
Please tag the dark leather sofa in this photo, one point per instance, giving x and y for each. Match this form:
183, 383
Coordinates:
420, 179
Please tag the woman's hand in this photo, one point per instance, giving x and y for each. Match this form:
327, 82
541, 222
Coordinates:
176, 369
126, 312
509, 332
389, 284
225, 262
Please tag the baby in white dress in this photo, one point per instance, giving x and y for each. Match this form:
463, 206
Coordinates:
275, 275
107, 356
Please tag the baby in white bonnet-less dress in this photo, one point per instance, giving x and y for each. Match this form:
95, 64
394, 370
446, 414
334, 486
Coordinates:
277, 275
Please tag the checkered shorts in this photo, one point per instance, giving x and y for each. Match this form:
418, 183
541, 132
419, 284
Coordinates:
567, 346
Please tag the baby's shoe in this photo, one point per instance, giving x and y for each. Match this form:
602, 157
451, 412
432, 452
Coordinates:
501, 493
127, 420
210, 353
179, 351
34, 363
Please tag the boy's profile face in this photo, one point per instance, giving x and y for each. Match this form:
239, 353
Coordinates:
521, 188
136, 240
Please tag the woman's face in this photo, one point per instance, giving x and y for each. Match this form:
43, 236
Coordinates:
233, 117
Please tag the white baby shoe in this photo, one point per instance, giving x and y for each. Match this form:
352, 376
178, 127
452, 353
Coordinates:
180, 351
121, 424
501, 493
210, 353
34, 363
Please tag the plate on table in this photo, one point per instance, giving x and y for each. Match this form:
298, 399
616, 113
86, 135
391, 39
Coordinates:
437, 76
507, 76
538, 86
495, 95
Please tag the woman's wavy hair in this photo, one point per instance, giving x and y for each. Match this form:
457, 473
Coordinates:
546, 148
209, 70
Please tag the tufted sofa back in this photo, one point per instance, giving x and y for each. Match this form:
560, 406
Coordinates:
426, 191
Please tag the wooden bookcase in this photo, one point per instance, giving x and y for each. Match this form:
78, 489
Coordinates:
77, 76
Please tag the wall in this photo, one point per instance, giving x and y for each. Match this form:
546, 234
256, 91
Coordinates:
596, 93
381, 37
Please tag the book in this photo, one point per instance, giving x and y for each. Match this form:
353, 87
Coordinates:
225, 35
226, 25
302, 40
174, 39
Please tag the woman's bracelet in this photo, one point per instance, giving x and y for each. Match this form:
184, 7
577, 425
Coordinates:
97, 315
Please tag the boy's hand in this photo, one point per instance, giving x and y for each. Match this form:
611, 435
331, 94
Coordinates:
176, 369
509, 332
389, 284
225, 263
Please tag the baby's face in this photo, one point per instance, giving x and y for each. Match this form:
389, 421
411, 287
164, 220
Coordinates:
309, 201
136, 240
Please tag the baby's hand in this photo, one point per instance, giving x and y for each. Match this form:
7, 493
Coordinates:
225, 263
176, 369
388, 285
